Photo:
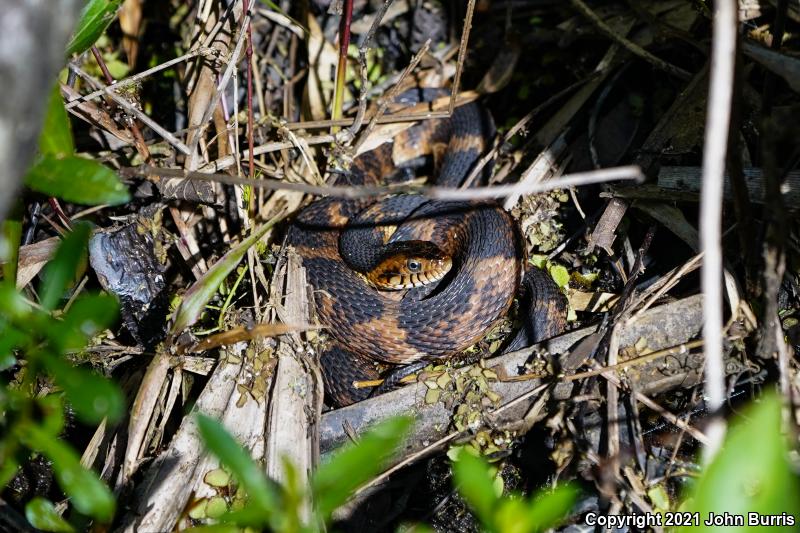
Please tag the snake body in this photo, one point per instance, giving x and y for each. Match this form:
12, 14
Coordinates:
336, 238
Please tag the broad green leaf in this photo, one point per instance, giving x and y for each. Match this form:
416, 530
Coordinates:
511, 516
199, 294
8, 468
95, 18
10, 338
41, 514
353, 466
474, 483
76, 180
260, 493
538, 260
10, 235
52, 417
88, 316
12, 304
56, 137
751, 473
560, 275
7, 360
548, 509
61, 270
93, 397
88, 494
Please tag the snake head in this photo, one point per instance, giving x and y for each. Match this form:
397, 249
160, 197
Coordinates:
409, 264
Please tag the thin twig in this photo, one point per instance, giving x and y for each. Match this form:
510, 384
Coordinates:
274, 146
632, 47
341, 69
229, 161
223, 83
723, 55
137, 77
366, 41
462, 53
250, 121
435, 192
674, 420
520, 125
138, 138
391, 94
139, 114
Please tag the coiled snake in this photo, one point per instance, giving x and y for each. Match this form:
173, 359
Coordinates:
460, 264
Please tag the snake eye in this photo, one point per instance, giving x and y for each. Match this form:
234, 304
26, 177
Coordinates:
413, 265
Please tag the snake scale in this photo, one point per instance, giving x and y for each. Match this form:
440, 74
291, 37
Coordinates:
459, 265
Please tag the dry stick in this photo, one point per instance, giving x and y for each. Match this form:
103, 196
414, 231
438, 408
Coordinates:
608, 375
674, 420
632, 47
723, 48
274, 146
133, 110
341, 68
223, 83
521, 125
386, 119
440, 193
441, 442
139, 142
391, 94
137, 77
250, 121
362, 62
462, 53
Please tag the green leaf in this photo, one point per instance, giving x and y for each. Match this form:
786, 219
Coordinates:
538, 260
41, 514
51, 420
56, 137
511, 517
10, 235
199, 294
61, 270
12, 304
354, 465
93, 397
88, 316
548, 509
475, 484
76, 180
10, 338
8, 468
95, 18
560, 275
260, 493
751, 473
88, 494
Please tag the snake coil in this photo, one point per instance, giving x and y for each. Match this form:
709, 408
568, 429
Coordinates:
473, 249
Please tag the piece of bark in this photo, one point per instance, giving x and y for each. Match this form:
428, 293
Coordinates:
605, 230
168, 483
294, 402
689, 179
662, 327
